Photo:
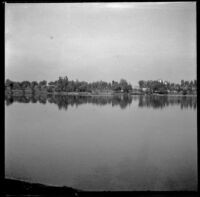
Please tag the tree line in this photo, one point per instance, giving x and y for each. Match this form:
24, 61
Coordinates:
165, 87
63, 84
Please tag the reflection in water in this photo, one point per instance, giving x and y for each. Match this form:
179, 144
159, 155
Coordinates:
163, 101
156, 102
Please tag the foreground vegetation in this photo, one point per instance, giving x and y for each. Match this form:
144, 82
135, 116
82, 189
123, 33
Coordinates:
65, 86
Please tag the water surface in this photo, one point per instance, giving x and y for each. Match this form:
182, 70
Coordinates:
103, 143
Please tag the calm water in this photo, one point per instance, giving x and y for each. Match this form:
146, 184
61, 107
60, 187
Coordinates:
103, 143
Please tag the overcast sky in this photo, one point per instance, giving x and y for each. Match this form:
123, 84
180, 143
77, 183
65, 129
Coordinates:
101, 41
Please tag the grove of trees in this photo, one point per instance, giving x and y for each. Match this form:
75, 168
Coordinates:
164, 87
63, 84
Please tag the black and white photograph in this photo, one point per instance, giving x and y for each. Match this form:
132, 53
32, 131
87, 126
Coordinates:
100, 97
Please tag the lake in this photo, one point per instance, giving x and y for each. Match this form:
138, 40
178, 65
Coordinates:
132, 143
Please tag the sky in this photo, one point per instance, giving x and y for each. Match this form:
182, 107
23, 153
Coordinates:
100, 41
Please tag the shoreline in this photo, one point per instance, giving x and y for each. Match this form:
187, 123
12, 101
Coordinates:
21, 187
24, 93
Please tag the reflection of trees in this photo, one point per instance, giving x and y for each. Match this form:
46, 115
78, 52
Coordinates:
164, 101
19, 99
63, 101
153, 101
26, 99
123, 101
9, 100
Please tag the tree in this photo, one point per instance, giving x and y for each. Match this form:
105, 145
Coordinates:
141, 83
50, 89
116, 86
182, 83
125, 86
25, 84
52, 83
70, 87
83, 87
8, 83
43, 83
187, 83
195, 83
34, 84
62, 83
16, 86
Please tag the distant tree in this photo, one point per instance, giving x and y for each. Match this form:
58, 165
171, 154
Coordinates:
184, 92
141, 83
70, 87
191, 83
52, 83
83, 87
125, 86
8, 82
43, 83
16, 86
50, 89
116, 86
34, 84
25, 84
195, 83
182, 83
130, 88
62, 83
187, 83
